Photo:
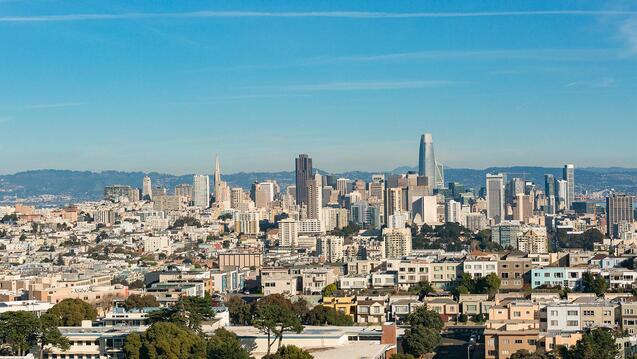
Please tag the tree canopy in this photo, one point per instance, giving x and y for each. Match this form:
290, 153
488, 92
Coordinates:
136, 301
420, 340
596, 343
322, 315
71, 312
289, 352
188, 312
427, 318
22, 331
594, 284
224, 344
165, 340
274, 315
240, 312
329, 290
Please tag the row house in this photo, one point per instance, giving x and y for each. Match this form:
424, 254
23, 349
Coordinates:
475, 304
278, 281
514, 273
354, 281
557, 276
371, 310
480, 267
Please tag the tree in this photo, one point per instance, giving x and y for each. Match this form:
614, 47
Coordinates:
427, 318
463, 318
594, 284
525, 354
71, 312
23, 331
597, 343
19, 330
489, 284
239, 310
329, 290
402, 356
301, 307
423, 289
289, 352
322, 315
138, 301
188, 312
49, 334
420, 340
165, 340
225, 345
274, 315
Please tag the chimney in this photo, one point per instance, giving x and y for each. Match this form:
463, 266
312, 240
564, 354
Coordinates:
388, 336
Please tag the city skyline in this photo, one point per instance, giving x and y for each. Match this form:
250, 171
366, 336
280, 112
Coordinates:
160, 88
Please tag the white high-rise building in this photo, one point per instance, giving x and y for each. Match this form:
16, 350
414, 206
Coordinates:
330, 247
561, 189
453, 211
147, 189
397, 242
288, 233
344, 186
495, 197
425, 210
201, 190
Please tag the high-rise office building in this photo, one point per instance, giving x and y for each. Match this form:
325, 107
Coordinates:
561, 194
147, 189
619, 212
344, 186
201, 190
568, 175
427, 160
303, 176
315, 197
549, 193
495, 197
184, 190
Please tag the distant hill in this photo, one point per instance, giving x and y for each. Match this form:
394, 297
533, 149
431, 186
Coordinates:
87, 185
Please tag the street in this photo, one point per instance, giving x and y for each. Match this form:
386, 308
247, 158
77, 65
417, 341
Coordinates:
455, 342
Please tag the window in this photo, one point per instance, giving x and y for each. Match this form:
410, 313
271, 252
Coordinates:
588, 313
572, 323
572, 312
518, 341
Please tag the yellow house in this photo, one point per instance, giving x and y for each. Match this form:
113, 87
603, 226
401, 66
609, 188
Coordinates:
344, 304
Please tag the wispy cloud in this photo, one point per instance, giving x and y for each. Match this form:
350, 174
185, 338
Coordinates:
605, 82
628, 32
325, 14
366, 85
499, 54
51, 105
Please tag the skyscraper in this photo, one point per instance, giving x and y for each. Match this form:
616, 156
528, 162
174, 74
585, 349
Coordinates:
303, 175
568, 175
217, 179
147, 189
201, 190
315, 197
495, 197
549, 192
427, 160
619, 213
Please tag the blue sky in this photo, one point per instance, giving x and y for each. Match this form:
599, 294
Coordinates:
164, 86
